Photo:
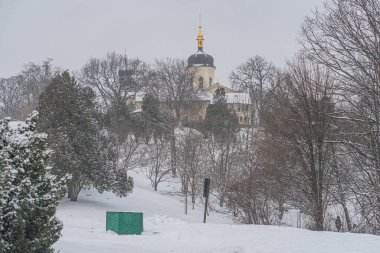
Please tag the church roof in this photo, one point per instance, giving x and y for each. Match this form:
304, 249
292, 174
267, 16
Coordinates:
238, 98
199, 59
137, 96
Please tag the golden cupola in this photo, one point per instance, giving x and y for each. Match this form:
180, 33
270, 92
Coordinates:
200, 38
200, 58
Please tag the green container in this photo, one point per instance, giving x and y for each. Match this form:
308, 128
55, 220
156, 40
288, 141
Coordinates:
125, 223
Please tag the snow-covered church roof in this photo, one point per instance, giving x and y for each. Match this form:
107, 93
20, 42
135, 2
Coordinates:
137, 96
238, 98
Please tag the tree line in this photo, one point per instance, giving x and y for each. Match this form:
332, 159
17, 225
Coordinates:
318, 124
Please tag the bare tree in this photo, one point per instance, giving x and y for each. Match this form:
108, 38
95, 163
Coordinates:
172, 84
11, 99
115, 77
157, 164
129, 153
258, 77
345, 37
247, 197
35, 79
275, 165
300, 120
342, 171
259, 189
222, 160
191, 163
19, 94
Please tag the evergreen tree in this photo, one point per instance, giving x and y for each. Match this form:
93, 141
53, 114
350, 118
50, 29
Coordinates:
220, 122
156, 124
29, 193
151, 107
118, 120
69, 116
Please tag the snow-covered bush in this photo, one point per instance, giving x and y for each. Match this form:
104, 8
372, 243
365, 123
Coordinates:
29, 193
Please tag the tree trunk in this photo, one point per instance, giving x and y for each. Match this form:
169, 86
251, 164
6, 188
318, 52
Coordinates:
318, 217
281, 210
73, 191
221, 199
347, 216
186, 202
173, 154
193, 199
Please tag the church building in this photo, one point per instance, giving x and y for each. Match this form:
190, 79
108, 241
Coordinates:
201, 66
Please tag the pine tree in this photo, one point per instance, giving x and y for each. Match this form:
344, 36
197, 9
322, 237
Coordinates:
220, 122
69, 116
155, 123
29, 193
4, 183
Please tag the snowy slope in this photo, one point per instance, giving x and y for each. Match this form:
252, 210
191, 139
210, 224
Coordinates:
167, 229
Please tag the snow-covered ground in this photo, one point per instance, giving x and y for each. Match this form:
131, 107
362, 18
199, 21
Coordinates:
167, 229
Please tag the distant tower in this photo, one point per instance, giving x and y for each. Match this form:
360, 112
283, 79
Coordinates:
202, 64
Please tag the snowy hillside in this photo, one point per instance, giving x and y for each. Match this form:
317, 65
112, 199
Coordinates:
167, 229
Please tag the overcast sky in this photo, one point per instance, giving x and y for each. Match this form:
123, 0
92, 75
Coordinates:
72, 31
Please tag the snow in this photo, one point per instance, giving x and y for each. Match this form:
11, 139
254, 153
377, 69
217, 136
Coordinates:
231, 98
138, 96
15, 125
200, 52
137, 111
204, 96
238, 98
167, 229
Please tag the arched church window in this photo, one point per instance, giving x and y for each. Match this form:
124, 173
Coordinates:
210, 81
200, 80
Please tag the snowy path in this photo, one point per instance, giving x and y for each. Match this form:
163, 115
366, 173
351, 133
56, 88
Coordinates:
166, 229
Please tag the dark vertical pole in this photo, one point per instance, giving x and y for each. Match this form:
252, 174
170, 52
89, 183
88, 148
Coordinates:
204, 216
206, 191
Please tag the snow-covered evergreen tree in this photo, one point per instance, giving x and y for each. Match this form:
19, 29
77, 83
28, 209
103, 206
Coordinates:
29, 193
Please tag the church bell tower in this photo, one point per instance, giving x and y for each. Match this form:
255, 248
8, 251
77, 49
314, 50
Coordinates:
201, 65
